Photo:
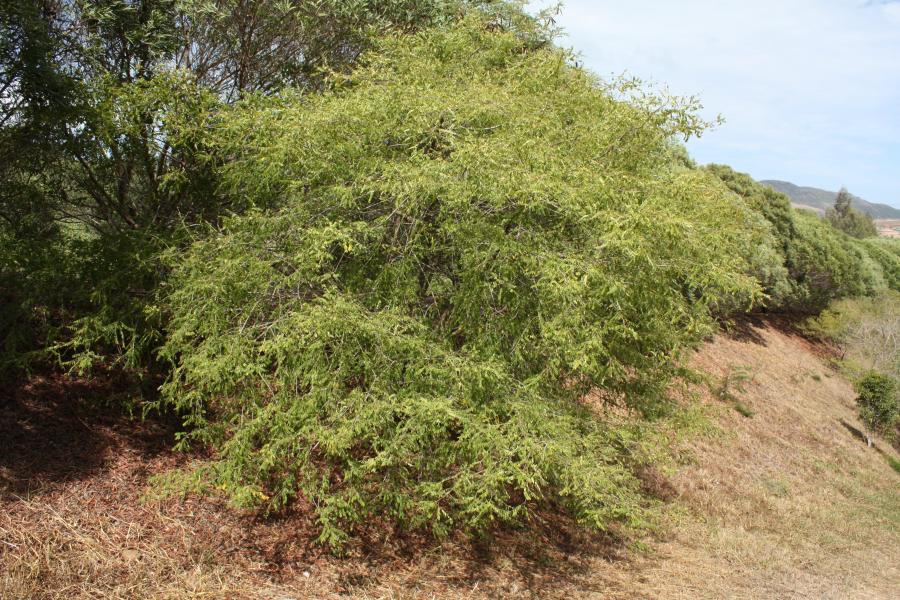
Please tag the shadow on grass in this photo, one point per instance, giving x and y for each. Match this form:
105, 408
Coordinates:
745, 328
540, 558
861, 436
61, 435
56, 429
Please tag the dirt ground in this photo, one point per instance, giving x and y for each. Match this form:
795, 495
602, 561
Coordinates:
888, 227
786, 503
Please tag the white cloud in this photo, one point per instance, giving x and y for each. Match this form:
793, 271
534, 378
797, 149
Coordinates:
810, 89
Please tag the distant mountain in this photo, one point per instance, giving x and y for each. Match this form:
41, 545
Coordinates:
810, 197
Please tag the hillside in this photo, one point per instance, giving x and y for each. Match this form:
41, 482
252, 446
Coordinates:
399, 300
818, 199
787, 504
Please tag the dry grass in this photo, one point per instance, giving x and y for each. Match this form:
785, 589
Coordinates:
787, 504
51, 555
71, 524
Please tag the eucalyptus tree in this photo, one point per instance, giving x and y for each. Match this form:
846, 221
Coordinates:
848, 219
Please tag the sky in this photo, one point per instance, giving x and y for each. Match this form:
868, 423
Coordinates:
809, 89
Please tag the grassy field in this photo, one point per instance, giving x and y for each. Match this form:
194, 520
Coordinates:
786, 503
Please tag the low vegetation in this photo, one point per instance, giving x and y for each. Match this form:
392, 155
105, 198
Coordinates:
732, 387
867, 330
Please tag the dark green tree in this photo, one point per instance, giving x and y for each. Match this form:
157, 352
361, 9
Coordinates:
849, 220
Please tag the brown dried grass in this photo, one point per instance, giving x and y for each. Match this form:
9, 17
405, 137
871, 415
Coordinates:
789, 503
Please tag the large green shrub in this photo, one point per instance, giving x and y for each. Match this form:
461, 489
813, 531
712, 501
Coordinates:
773, 205
814, 263
891, 245
776, 209
100, 156
827, 264
463, 238
885, 252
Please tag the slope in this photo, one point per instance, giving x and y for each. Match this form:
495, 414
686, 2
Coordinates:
786, 504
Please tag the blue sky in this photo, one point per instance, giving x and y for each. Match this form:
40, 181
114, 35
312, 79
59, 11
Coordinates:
810, 89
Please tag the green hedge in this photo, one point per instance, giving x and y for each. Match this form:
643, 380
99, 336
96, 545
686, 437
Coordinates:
820, 263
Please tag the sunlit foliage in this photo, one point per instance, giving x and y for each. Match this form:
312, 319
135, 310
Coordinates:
460, 240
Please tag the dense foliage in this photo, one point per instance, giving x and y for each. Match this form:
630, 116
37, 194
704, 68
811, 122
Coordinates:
817, 262
468, 235
102, 107
885, 252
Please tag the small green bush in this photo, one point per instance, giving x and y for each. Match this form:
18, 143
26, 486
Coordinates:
744, 410
879, 407
732, 384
